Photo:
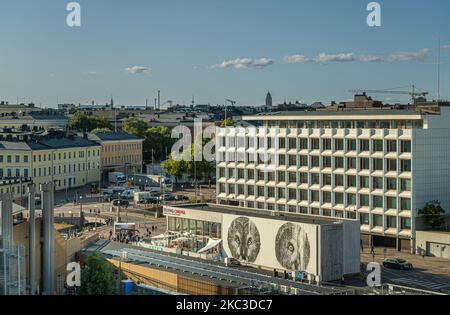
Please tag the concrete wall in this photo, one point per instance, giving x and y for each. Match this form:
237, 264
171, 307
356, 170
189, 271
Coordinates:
436, 244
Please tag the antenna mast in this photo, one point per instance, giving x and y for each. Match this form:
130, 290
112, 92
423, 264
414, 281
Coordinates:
439, 72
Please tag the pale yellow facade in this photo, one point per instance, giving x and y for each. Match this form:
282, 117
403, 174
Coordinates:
66, 167
122, 156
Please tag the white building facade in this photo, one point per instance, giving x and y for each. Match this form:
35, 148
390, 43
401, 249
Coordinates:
377, 166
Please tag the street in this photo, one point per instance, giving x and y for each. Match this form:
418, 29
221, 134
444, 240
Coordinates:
429, 273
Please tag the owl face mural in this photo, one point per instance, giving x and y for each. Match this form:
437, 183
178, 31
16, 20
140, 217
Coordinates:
292, 247
244, 240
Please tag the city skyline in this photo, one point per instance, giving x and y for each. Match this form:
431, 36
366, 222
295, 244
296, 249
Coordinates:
295, 50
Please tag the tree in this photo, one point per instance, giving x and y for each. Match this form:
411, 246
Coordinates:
174, 168
135, 126
227, 123
433, 213
97, 277
82, 122
158, 143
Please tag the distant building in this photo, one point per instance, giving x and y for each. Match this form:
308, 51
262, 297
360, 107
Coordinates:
268, 100
120, 152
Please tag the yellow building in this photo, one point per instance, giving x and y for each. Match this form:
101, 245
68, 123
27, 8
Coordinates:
69, 162
120, 152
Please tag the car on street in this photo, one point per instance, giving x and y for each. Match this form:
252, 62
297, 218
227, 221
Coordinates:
397, 263
181, 197
167, 197
149, 201
120, 202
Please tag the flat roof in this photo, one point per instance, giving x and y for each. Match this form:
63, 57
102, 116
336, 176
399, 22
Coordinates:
260, 213
346, 115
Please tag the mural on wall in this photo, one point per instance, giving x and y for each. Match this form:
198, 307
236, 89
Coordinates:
292, 247
244, 240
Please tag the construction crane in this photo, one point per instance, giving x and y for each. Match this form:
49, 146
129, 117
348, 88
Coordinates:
226, 109
413, 93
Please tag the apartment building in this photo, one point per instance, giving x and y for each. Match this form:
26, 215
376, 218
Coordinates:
69, 162
120, 152
377, 166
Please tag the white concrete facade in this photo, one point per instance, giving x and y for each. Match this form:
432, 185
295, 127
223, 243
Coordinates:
380, 175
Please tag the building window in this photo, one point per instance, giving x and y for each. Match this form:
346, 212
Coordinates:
303, 161
406, 224
315, 161
339, 145
326, 162
326, 178
377, 220
377, 201
392, 146
405, 185
326, 144
292, 194
304, 178
351, 181
364, 145
377, 183
391, 184
364, 200
405, 204
377, 164
315, 179
378, 145
281, 177
351, 163
339, 198
391, 222
339, 180
364, 182
391, 202
364, 163
364, 219
406, 146
338, 162
303, 144
303, 195
281, 193
351, 199
406, 165
292, 144
326, 197
315, 144
351, 145
292, 177
391, 165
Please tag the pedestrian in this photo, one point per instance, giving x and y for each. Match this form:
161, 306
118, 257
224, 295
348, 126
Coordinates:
372, 249
362, 246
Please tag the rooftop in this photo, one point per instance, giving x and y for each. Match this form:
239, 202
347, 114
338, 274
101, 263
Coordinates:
111, 136
46, 143
265, 214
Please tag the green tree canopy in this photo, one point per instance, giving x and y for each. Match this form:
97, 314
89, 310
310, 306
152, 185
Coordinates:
135, 126
97, 277
158, 143
82, 122
433, 213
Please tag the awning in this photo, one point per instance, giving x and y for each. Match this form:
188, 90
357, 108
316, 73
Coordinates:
160, 237
211, 244
181, 239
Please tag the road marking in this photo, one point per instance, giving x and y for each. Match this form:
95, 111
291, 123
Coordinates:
422, 283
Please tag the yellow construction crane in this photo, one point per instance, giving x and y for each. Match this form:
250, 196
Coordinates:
413, 93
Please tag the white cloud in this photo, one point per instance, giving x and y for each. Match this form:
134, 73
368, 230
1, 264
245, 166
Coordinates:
343, 57
445, 48
92, 73
296, 59
410, 56
243, 63
138, 70
371, 58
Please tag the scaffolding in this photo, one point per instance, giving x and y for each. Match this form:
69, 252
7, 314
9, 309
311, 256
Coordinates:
12, 270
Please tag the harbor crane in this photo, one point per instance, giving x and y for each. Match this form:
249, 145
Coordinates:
226, 108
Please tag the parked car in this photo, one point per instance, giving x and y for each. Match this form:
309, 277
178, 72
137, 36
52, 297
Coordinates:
397, 263
167, 197
181, 197
121, 202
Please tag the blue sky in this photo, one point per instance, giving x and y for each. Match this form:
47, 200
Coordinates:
218, 49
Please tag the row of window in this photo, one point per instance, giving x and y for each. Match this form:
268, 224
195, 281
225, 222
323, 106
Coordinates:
121, 147
199, 228
360, 200
349, 163
319, 179
377, 220
45, 157
121, 159
47, 171
320, 144
344, 124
